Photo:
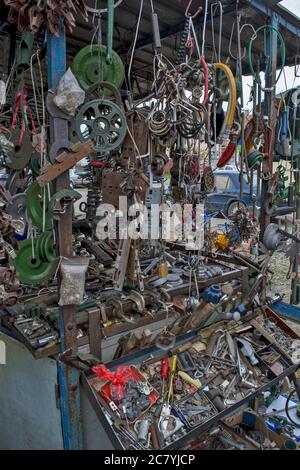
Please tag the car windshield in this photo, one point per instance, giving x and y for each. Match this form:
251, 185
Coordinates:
227, 182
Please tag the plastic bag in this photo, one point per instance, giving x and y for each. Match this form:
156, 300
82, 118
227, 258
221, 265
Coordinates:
117, 380
72, 280
69, 96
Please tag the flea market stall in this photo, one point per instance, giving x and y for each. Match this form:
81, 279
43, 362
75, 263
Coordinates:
135, 302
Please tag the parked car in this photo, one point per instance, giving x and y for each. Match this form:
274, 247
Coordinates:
80, 177
226, 196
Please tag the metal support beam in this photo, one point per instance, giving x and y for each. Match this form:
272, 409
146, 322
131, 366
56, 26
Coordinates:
68, 377
171, 30
267, 8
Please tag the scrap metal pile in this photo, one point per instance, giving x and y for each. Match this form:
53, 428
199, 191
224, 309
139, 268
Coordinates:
148, 289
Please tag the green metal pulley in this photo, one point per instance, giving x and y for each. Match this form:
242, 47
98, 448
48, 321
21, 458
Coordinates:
19, 155
254, 158
45, 247
31, 268
36, 197
103, 122
90, 66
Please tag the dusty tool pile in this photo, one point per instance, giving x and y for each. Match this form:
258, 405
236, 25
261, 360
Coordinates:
135, 254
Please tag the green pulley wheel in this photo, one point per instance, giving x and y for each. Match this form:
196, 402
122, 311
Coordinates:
101, 89
19, 155
31, 269
103, 122
47, 247
90, 65
254, 158
36, 197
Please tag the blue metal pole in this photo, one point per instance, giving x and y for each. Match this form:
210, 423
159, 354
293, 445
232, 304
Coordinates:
68, 377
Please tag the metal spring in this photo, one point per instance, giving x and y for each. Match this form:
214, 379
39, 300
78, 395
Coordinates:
183, 40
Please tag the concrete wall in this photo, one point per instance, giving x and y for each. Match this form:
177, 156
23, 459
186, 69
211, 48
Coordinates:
29, 418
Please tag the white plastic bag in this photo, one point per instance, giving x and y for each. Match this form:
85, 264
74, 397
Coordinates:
69, 96
72, 285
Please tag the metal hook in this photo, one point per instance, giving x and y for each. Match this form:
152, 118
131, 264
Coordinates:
230, 45
187, 11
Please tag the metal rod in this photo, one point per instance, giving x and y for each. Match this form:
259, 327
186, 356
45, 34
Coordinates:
68, 377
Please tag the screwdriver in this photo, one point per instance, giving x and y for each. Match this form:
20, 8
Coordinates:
172, 365
164, 373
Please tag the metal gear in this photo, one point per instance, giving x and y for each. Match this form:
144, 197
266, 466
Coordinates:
103, 122
101, 89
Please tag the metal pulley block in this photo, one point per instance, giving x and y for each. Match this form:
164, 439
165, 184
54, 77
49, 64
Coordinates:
103, 122
60, 201
31, 268
102, 89
36, 199
90, 65
19, 155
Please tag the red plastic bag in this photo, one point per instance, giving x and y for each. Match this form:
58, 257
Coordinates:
117, 379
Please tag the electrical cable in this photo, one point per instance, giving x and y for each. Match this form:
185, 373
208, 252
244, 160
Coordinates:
204, 27
134, 44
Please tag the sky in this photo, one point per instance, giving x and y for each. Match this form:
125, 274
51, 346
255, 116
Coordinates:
293, 6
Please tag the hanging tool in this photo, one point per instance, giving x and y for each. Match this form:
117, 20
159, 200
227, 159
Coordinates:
172, 367
164, 373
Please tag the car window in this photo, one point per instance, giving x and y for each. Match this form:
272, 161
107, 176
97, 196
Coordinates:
223, 182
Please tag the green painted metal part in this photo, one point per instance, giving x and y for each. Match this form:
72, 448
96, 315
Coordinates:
24, 51
103, 122
36, 197
255, 158
90, 65
19, 156
31, 268
60, 196
45, 247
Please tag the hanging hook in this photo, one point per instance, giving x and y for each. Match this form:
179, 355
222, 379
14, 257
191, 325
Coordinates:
187, 11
